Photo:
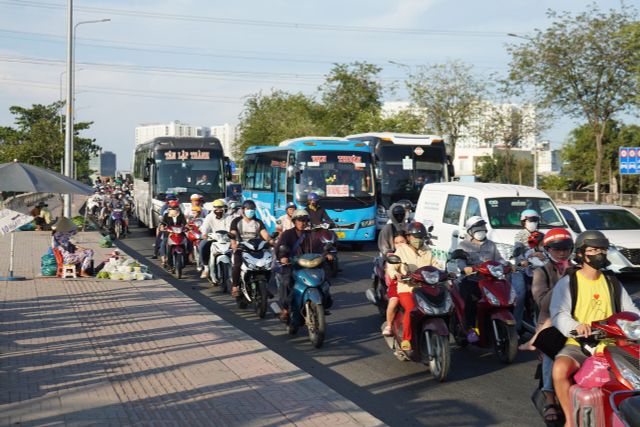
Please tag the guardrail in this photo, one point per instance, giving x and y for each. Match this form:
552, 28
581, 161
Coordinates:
22, 202
626, 200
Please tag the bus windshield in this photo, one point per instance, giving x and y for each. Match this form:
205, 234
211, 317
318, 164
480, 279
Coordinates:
184, 172
343, 179
404, 169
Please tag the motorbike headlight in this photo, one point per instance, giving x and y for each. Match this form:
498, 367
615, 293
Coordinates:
367, 223
424, 306
496, 271
431, 277
491, 297
512, 296
628, 371
630, 328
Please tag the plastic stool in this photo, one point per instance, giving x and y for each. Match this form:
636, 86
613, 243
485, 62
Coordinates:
69, 271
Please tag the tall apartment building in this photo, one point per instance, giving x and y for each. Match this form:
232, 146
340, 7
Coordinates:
103, 164
146, 132
227, 136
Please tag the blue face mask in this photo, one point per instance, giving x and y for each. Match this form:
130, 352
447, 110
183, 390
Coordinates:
249, 213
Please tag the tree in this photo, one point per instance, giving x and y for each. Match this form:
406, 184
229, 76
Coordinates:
351, 98
553, 183
583, 66
37, 139
505, 169
270, 119
448, 95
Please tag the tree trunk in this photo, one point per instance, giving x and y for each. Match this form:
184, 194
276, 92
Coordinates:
599, 128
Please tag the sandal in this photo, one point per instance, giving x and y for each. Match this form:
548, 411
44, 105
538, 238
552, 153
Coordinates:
551, 413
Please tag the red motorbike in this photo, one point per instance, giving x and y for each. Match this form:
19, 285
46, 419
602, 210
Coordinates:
617, 402
195, 236
176, 249
495, 323
429, 319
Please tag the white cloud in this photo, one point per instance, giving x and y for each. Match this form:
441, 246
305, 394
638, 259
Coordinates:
404, 14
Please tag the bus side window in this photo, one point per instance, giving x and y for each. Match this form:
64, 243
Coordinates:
290, 179
249, 173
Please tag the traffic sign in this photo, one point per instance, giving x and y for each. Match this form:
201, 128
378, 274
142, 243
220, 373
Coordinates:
629, 158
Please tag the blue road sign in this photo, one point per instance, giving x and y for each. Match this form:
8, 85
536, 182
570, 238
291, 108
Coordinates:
233, 167
629, 158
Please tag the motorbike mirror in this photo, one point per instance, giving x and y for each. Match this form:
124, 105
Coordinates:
394, 259
284, 251
275, 235
459, 254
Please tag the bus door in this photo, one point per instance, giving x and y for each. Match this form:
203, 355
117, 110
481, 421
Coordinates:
279, 181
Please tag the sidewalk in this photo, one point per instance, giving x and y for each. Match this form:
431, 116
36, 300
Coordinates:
100, 352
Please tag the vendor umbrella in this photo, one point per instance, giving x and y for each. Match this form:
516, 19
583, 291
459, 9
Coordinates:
22, 177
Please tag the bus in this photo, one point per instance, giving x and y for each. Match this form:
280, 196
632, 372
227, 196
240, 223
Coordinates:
338, 170
182, 166
403, 164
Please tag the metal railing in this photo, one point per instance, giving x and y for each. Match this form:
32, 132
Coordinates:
626, 200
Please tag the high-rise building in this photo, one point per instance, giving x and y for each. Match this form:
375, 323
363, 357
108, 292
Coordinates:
103, 164
227, 136
146, 132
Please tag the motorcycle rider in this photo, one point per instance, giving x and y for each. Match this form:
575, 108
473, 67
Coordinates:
246, 227
317, 214
234, 210
597, 297
298, 241
173, 217
285, 222
414, 255
163, 210
215, 221
478, 249
116, 202
198, 200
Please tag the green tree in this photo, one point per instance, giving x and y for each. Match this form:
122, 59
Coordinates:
582, 65
505, 169
449, 96
553, 183
36, 139
270, 119
351, 98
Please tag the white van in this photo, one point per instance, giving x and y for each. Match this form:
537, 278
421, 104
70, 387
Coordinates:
449, 204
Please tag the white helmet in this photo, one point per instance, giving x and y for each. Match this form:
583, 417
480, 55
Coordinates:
475, 223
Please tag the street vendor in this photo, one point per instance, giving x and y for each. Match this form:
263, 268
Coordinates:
63, 232
41, 216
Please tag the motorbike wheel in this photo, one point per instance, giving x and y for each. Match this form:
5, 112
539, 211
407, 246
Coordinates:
507, 349
441, 361
117, 229
261, 299
315, 324
178, 263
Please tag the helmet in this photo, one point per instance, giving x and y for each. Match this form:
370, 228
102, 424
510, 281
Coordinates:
475, 223
291, 205
218, 204
170, 196
535, 239
398, 212
557, 238
249, 204
196, 209
174, 204
233, 204
529, 214
592, 238
313, 197
416, 229
406, 204
300, 214
196, 196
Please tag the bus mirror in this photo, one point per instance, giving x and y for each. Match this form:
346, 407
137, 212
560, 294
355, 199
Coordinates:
147, 173
297, 177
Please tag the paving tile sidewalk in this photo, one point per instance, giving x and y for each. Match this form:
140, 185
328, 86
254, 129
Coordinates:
99, 352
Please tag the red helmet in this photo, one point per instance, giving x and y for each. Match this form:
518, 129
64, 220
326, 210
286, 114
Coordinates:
534, 239
173, 204
558, 238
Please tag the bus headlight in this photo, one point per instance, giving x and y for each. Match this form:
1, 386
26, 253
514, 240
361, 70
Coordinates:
367, 223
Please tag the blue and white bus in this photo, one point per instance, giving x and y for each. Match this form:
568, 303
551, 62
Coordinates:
338, 170
403, 164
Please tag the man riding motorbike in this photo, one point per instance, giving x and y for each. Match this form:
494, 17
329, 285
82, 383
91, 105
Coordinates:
414, 255
317, 214
173, 217
213, 222
285, 222
246, 227
198, 200
478, 249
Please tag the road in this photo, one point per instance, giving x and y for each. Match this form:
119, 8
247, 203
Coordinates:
356, 362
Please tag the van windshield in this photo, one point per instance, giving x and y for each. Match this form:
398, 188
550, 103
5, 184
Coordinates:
504, 212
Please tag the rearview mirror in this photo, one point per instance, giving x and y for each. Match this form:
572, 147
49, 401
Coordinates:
394, 259
297, 177
146, 174
459, 254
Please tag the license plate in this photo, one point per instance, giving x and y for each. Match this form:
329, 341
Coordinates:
340, 234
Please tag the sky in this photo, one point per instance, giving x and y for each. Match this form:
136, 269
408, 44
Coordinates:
197, 60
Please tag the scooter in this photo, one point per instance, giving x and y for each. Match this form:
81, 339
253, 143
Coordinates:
117, 223
254, 275
195, 236
176, 249
599, 406
377, 293
429, 320
220, 260
94, 204
494, 319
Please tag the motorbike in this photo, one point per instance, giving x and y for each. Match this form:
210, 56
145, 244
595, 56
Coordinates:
329, 240
94, 205
176, 249
117, 225
254, 275
429, 320
195, 236
311, 297
220, 260
616, 400
530, 310
377, 293
494, 319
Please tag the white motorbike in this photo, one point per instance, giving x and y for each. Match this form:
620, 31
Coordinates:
255, 273
220, 260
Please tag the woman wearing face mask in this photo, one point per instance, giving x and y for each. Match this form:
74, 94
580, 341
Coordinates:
478, 249
414, 255
597, 295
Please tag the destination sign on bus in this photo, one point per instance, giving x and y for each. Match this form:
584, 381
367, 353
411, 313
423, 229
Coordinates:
186, 155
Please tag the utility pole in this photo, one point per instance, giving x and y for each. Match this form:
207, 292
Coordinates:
68, 134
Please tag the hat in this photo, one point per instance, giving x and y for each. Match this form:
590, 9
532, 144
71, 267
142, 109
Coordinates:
64, 225
41, 204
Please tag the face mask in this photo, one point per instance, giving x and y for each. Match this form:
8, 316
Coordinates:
597, 261
480, 235
249, 213
416, 243
218, 214
531, 226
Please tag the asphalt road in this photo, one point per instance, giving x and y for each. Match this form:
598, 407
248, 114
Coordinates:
356, 362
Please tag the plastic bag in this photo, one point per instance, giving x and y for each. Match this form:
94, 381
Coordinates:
594, 372
30, 226
106, 242
48, 264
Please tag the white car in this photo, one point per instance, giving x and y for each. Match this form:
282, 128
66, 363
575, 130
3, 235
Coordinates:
620, 225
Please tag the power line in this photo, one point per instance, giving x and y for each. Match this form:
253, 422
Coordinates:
260, 23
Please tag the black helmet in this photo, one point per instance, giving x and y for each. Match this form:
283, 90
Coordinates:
416, 229
249, 204
398, 213
591, 238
